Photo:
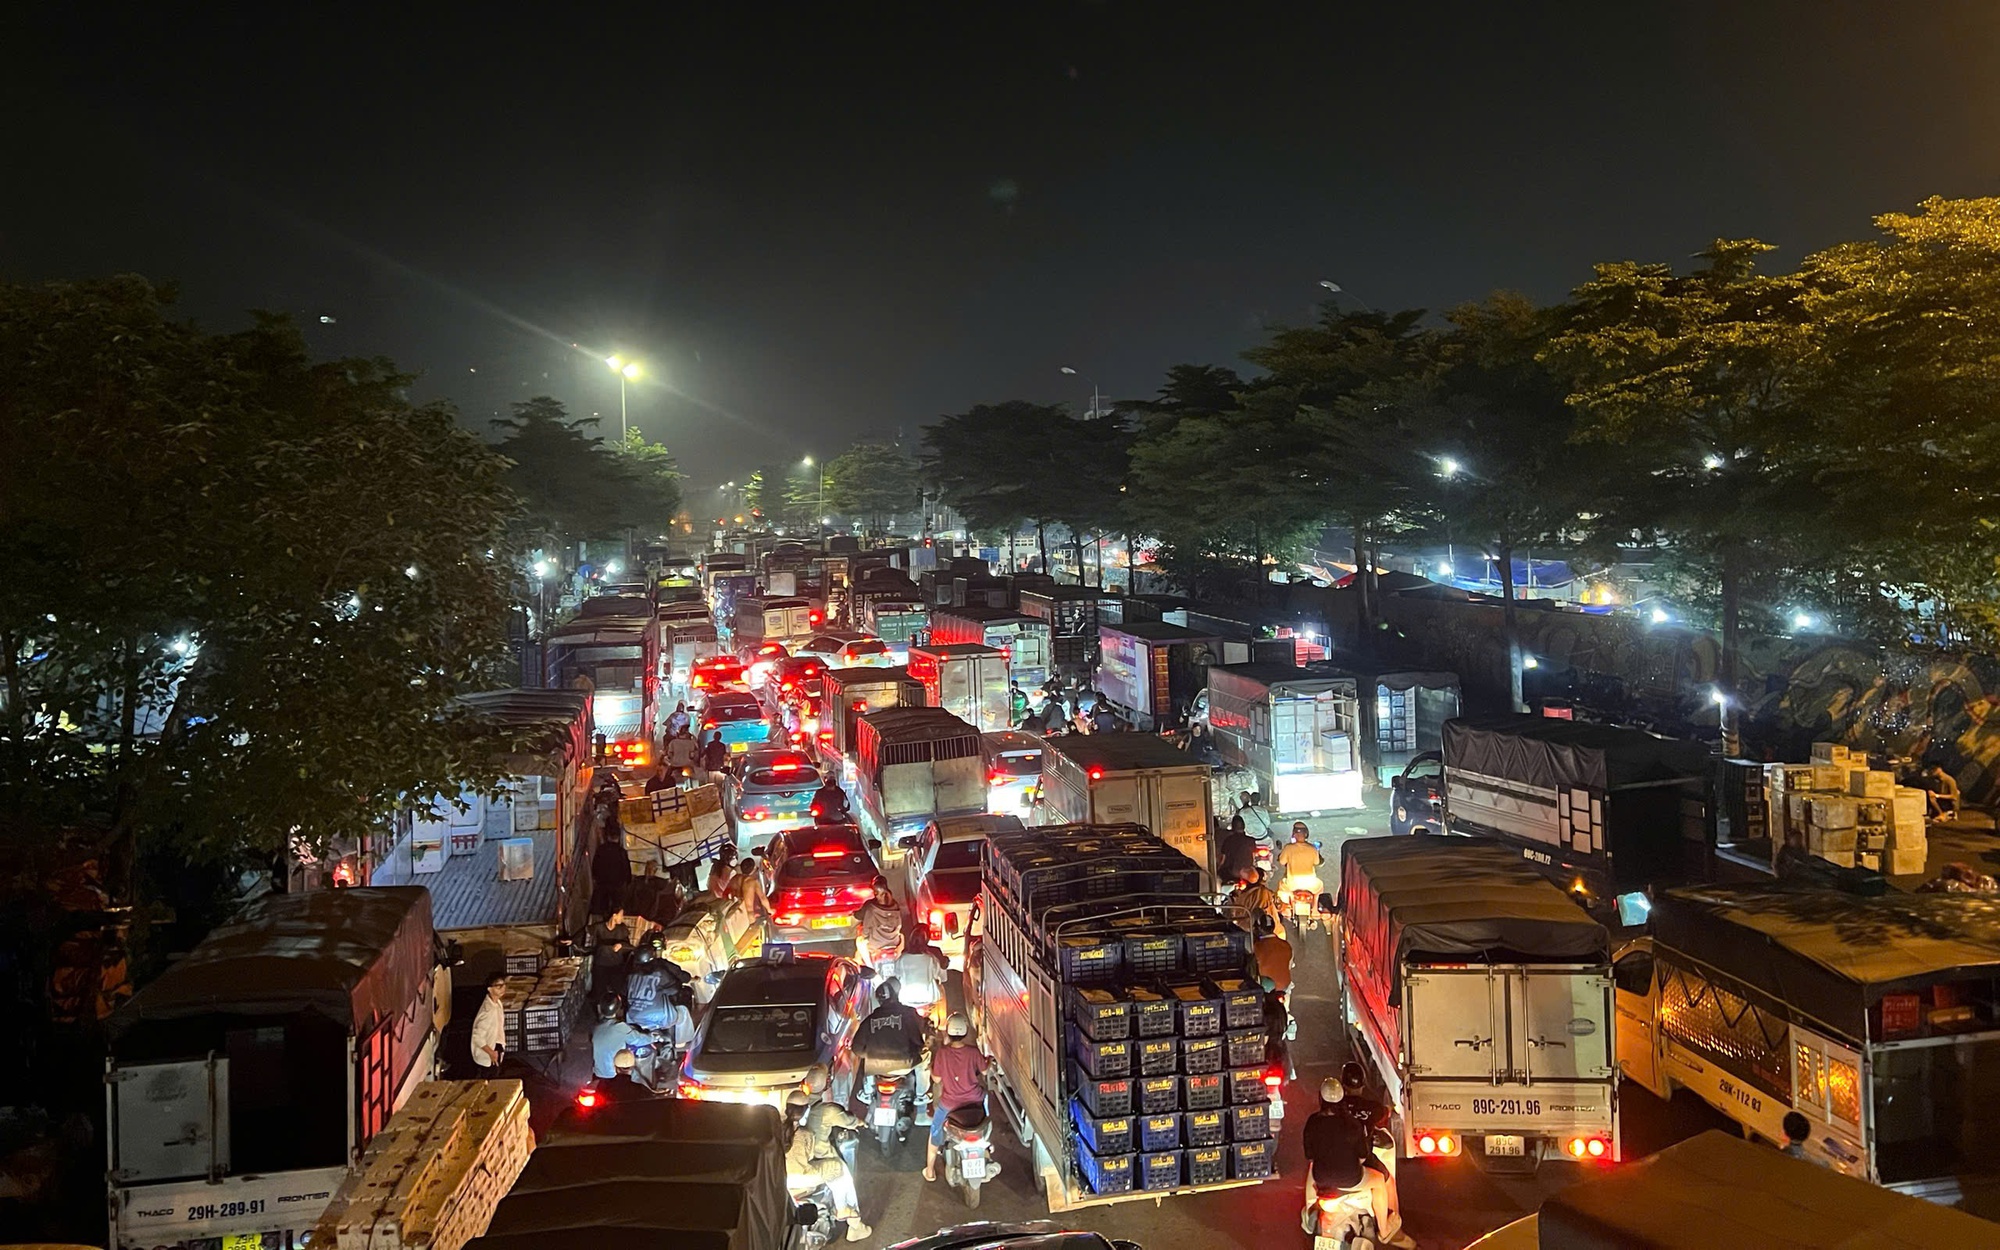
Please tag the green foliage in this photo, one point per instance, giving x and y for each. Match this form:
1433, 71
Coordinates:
874, 482
240, 588
576, 488
999, 465
652, 482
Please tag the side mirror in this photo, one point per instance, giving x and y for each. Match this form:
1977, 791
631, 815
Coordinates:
1327, 906
875, 844
908, 843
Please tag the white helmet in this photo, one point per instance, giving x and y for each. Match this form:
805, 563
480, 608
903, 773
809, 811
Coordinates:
1331, 1090
957, 1025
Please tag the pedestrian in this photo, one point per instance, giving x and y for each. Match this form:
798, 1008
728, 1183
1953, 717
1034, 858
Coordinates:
749, 890
1103, 717
610, 870
489, 1028
677, 720
715, 756
1942, 789
1798, 1131
722, 876
662, 778
610, 950
1017, 703
681, 755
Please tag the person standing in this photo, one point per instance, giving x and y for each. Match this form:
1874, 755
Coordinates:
677, 720
489, 1027
610, 951
662, 778
610, 870
681, 756
715, 756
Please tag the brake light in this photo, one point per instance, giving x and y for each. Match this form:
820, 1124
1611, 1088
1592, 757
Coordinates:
701, 681
587, 1098
1097, 774
826, 736
937, 924
708, 724
829, 852
857, 894
758, 813
1587, 1147
995, 777
784, 685
815, 617
1442, 1145
787, 766
1274, 1078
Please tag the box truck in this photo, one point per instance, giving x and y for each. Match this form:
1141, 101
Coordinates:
967, 679
1129, 778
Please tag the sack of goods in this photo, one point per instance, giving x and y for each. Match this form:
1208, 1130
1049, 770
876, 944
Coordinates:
434, 1174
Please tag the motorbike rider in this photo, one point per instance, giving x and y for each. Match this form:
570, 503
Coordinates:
680, 755
1274, 953
658, 990
829, 804
1257, 898
1370, 1112
1338, 1145
1238, 851
1278, 1028
958, 1079
611, 1036
892, 1038
881, 925
1298, 858
920, 975
813, 1157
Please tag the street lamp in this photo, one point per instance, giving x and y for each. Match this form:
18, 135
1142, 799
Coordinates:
819, 500
627, 371
1093, 389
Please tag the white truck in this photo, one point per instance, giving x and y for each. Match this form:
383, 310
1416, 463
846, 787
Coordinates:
1483, 998
967, 679
1129, 778
244, 1082
913, 765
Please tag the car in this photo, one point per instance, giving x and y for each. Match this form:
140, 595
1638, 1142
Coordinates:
941, 876
1416, 796
769, 1022
770, 793
739, 717
716, 673
846, 648
1013, 771
817, 879
760, 660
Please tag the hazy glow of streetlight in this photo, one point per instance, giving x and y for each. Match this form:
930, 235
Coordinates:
1066, 369
1721, 699
630, 372
1660, 616
1711, 462
1447, 467
1802, 620
807, 462
616, 362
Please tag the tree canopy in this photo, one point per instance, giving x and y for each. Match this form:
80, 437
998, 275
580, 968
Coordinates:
873, 482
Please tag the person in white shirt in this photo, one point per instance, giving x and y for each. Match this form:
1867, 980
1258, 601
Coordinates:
489, 1028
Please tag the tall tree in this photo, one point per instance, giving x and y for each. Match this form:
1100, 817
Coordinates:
650, 482
240, 587
874, 482
1697, 382
563, 474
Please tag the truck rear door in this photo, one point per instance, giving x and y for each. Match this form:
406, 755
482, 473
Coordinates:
1562, 1024
1291, 734
1177, 808
1456, 1024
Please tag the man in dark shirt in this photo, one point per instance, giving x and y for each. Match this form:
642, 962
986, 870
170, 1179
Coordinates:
611, 951
1338, 1147
891, 1039
610, 871
1239, 852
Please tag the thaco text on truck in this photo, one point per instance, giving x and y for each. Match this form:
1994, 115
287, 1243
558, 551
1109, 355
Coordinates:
1294, 730
1876, 1018
1023, 639
244, 1082
1123, 1016
1482, 996
967, 679
913, 765
1129, 778
1606, 812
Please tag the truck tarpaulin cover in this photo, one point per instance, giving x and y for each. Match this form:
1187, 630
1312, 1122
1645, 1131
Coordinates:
1717, 1190
359, 957
1828, 953
662, 1172
913, 735
1457, 899
1538, 751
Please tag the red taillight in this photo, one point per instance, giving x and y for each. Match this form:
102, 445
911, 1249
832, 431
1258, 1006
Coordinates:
700, 682
784, 685
857, 894
1439, 1144
826, 736
1097, 774
587, 1098
815, 617
708, 724
829, 852
937, 924
1274, 1078
995, 777
1587, 1147
758, 813
815, 811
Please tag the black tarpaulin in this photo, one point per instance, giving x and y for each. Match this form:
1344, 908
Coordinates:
358, 957
1453, 898
1827, 953
1542, 751
1716, 1190
665, 1172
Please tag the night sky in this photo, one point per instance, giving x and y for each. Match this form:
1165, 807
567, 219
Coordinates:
821, 221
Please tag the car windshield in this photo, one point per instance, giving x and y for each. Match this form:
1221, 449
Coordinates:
829, 863
1026, 764
760, 1030
799, 775
735, 711
958, 855
869, 647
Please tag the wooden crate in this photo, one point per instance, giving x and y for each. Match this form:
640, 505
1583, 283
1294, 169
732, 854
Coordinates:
432, 1178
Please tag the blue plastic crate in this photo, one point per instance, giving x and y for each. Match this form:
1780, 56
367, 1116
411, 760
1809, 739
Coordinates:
1202, 1091
1252, 1160
1101, 1059
1207, 1165
1250, 1122
1200, 1010
1157, 1056
1205, 1128
1090, 960
1106, 1173
1242, 1002
1155, 1094
1100, 1013
1152, 954
1153, 1013
1219, 949
1107, 1135
1162, 1131
1201, 1054
1102, 1095
1160, 1169
1246, 1085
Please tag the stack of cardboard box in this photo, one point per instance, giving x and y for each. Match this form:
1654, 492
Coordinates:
1908, 847
430, 1180
1844, 812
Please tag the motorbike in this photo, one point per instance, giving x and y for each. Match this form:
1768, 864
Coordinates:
1345, 1219
813, 1204
1304, 895
892, 1105
968, 1152
651, 1073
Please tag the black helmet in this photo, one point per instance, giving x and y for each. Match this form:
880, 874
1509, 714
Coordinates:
607, 1007
888, 990
1265, 925
1352, 1078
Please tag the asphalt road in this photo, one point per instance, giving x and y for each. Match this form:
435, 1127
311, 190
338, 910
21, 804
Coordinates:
1447, 1203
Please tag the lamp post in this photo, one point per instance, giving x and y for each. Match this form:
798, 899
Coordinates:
819, 501
627, 371
1093, 389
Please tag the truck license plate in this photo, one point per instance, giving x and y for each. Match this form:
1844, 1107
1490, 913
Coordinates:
1506, 1144
883, 1115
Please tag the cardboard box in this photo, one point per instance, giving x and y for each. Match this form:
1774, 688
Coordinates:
1871, 860
1871, 783
1827, 841
1839, 859
1798, 808
1828, 753
1785, 778
1909, 806
1831, 778
1903, 862
1908, 836
1829, 811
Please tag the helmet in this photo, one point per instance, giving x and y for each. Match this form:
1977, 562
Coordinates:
797, 1101
607, 1007
957, 1025
1330, 1090
1352, 1078
888, 990
624, 1061
818, 1078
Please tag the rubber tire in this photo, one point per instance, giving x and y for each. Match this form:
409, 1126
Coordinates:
885, 1136
971, 1192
